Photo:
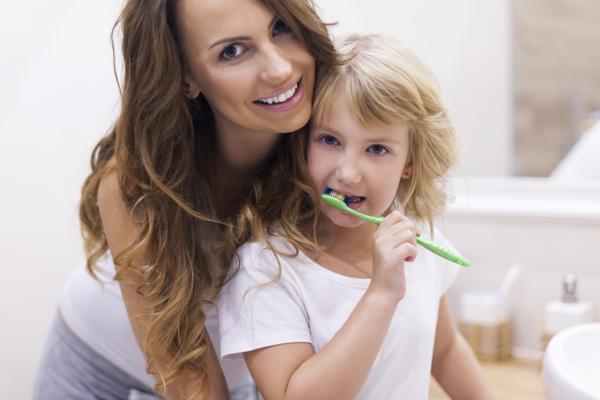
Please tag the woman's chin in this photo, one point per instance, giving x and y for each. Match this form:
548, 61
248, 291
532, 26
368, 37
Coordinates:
297, 121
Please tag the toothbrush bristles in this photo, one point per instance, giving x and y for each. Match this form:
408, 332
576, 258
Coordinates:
336, 195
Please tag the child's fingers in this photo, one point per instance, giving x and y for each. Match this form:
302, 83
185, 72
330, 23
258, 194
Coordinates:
405, 252
398, 231
392, 218
403, 231
392, 252
396, 218
393, 239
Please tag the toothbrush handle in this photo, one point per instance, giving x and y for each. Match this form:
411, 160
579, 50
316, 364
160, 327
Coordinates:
434, 248
448, 255
369, 218
431, 246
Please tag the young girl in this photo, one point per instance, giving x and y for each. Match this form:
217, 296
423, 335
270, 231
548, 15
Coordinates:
363, 314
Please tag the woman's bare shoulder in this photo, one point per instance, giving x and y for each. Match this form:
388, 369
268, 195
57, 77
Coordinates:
116, 218
109, 192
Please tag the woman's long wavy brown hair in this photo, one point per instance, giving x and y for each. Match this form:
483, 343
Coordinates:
160, 148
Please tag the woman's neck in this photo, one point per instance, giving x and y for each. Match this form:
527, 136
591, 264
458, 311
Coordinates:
240, 155
242, 151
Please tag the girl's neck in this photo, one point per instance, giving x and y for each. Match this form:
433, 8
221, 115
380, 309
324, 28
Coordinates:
347, 244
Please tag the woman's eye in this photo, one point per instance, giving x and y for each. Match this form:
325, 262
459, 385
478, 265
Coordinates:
378, 149
231, 52
280, 27
329, 140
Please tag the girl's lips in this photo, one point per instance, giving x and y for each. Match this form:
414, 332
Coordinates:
356, 204
286, 105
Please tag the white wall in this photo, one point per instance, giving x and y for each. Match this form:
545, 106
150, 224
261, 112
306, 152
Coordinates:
58, 96
549, 228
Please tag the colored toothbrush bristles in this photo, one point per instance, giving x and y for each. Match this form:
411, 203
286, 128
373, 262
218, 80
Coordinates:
340, 204
337, 195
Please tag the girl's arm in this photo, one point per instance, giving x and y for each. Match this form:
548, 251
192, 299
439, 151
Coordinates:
338, 371
340, 368
454, 364
119, 232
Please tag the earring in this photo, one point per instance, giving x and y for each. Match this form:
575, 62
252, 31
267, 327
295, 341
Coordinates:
188, 92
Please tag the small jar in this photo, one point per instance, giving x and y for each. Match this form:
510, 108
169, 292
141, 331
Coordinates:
485, 324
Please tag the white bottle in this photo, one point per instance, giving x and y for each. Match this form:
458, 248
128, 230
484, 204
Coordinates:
567, 312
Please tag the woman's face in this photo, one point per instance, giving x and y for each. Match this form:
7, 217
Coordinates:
252, 70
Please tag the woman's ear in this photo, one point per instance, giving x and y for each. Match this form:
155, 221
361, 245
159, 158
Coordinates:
191, 91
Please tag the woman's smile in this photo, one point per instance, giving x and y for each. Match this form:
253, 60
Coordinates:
282, 100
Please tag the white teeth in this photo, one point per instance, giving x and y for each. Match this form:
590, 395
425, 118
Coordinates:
282, 97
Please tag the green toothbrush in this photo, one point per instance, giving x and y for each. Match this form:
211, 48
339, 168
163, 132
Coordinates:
433, 247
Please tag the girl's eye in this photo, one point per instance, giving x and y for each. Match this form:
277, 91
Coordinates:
280, 27
378, 149
232, 52
329, 140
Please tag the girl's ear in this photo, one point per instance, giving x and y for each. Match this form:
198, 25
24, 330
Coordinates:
407, 171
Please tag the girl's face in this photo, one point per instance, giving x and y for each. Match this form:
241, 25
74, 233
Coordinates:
365, 163
251, 69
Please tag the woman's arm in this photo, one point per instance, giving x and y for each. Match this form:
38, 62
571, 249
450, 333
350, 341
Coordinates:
454, 364
120, 232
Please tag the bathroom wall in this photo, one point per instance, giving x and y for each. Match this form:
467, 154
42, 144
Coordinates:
549, 228
556, 75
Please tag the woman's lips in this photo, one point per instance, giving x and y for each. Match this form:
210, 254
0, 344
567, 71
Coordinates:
286, 105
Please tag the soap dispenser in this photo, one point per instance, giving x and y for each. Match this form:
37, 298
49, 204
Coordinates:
567, 312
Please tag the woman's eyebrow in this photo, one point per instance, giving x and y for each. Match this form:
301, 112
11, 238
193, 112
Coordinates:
240, 38
229, 40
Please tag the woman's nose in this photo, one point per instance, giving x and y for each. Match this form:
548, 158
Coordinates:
277, 67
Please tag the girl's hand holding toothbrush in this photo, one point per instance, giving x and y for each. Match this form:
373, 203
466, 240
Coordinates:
394, 242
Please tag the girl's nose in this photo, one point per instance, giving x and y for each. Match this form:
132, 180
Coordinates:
277, 67
348, 171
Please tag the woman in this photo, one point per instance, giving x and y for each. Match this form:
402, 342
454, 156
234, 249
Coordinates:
209, 87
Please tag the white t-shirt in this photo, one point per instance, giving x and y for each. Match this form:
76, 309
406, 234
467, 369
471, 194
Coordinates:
310, 303
96, 314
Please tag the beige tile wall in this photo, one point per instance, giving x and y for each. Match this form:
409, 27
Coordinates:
556, 78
